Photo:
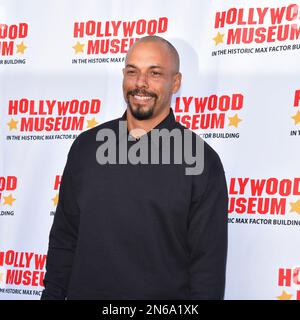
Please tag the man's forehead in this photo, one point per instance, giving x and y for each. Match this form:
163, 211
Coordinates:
153, 66
152, 51
150, 46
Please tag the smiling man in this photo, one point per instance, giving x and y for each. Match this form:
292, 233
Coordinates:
140, 231
147, 87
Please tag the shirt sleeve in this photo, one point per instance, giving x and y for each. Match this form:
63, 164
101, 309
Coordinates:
62, 239
207, 235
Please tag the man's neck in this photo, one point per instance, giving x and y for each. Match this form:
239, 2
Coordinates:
138, 127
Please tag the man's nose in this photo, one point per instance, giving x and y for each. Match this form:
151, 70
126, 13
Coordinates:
142, 80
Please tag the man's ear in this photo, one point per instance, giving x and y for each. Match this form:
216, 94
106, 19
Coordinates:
176, 82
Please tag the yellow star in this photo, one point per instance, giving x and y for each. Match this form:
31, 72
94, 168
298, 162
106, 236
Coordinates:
12, 124
284, 296
295, 206
9, 200
78, 47
296, 117
234, 121
55, 200
21, 48
92, 123
219, 38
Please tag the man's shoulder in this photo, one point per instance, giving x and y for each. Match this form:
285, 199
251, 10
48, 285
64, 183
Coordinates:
90, 134
212, 160
196, 137
88, 137
111, 124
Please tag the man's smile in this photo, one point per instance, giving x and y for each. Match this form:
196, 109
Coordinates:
142, 98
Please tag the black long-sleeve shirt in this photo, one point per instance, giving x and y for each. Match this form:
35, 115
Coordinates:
145, 231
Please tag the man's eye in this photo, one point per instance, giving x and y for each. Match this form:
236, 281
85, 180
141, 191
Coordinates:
131, 72
155, 73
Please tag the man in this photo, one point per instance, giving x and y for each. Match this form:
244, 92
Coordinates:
139, 231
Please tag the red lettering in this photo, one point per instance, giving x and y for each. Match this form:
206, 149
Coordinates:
13, 107
277, 206
52, 124
23, 32
128, 28
115, 46
272, 186
9, 257
296, 188
26, 278
7, 48
3, 31
234, 36
242, 184
297, 98
296, 274
62, 107
141, 27
1, 258
90, 28
78, 30
240, 205
107, 33
28, 256
40, 260
57, 182
177, 105
13, 31
9, 183
200, 104
187, 102
284, 277
152, 27
251, 205
285, 187
231, 205
261, 13
162, 25
231, 16
116, 26
277, 15
224, 103
35, 275
295, 32
220, 19
292, 12
271, 34
19, 262
257, 186
231, 186
237, 101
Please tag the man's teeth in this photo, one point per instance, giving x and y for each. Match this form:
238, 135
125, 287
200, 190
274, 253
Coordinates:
142, 97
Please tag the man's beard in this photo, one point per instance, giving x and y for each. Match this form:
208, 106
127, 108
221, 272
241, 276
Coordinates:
138, 112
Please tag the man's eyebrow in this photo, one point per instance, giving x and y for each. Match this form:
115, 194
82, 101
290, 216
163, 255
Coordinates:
155, 67
151, 67
130, 66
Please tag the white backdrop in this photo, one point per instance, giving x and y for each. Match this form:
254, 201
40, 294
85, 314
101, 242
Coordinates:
61, 73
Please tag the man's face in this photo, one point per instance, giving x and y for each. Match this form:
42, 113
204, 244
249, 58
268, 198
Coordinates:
149, 80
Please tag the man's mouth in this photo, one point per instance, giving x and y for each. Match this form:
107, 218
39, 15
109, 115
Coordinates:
141, 96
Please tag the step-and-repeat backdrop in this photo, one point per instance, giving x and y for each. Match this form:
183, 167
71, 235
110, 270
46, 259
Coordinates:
61, 73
